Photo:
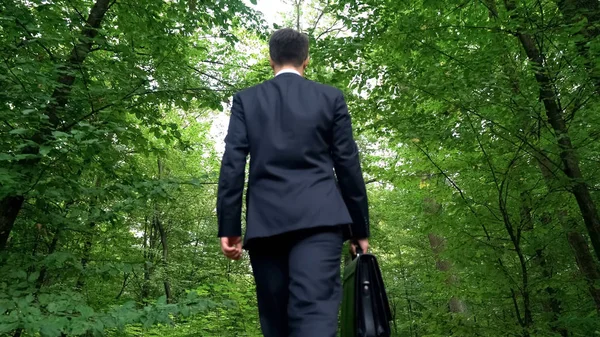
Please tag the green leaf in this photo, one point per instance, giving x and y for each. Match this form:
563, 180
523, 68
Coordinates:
79, 327
8, 327
19, 273
18, 131
148, 321
45, 149
185, 311
86, 311
59, 134
50, 329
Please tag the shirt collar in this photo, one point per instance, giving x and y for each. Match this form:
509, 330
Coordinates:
288, 70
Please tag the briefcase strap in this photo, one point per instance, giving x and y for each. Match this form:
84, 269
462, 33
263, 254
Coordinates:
368, 326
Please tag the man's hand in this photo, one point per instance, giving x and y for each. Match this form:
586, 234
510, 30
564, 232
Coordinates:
363, 243
232, 247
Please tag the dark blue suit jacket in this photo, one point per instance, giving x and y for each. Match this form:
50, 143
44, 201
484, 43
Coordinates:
296, 132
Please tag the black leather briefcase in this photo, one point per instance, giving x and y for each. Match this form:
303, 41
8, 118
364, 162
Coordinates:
365, 307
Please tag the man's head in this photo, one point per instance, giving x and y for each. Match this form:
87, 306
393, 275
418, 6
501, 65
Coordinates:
288, 48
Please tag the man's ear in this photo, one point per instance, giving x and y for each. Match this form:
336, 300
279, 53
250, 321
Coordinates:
271, 63
305, 63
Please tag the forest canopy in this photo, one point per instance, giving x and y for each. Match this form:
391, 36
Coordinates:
477, 122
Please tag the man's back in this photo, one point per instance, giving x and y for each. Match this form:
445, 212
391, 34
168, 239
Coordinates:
291, 125
291, 183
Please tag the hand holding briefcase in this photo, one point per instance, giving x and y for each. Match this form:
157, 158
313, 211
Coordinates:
365, 307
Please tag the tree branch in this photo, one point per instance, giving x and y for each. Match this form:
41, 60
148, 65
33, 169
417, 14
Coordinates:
50, 54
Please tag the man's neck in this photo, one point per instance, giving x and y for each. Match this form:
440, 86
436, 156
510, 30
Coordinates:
288, 69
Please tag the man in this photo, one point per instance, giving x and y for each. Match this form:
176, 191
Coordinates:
296, 132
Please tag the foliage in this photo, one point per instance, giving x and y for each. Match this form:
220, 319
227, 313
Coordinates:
482, 202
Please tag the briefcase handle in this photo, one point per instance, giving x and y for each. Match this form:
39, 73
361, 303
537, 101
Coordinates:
359, 250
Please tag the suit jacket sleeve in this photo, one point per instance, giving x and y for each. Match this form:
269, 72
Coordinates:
231, 176
348, 171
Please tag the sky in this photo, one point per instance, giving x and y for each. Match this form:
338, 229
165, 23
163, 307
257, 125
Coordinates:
271, 10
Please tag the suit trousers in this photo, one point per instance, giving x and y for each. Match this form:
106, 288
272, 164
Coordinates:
297, 276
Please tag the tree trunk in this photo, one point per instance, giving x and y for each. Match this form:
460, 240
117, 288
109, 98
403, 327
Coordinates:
568, 154
437, 243
39, 282
11, 204
297, 4
148, 249
550, 304
586, 265
123, 286
87, 247
165, 255
409, 308
163, 241
584, 258
9, 209
515, 234
42, 276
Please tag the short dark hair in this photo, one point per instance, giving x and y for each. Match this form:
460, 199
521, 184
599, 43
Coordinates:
288, 46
